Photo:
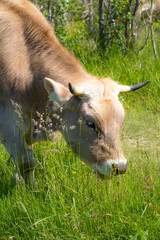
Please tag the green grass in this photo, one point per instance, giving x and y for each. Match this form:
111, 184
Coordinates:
71, 203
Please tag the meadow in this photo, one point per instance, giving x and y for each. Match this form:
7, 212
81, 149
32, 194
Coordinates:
70, 202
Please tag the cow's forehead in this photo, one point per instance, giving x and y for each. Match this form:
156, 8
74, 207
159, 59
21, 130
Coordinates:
111, 88
105, 111
96, 88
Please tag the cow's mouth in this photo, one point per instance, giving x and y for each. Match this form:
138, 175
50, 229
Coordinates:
99, 175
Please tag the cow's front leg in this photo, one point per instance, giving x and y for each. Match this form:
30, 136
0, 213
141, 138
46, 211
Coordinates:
22, 155
24, 162
26, 167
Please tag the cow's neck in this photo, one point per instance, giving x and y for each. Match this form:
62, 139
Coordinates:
62, 66
58, 64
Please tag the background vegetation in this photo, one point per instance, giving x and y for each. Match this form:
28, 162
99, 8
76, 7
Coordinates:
70, 202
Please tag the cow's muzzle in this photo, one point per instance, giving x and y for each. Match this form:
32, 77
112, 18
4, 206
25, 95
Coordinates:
111, 168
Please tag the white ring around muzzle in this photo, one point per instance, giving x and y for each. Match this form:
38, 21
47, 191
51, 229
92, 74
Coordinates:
106, 167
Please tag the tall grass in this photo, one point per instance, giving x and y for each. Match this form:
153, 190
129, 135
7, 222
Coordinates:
70, 202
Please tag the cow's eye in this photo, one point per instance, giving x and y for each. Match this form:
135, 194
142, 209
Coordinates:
90, 124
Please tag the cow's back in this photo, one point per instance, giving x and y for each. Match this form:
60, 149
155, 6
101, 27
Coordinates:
20, 22
26, 11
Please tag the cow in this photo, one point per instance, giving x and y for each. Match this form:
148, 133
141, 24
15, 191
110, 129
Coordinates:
44, 88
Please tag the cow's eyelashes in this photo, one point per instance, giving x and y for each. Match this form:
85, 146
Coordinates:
90, 124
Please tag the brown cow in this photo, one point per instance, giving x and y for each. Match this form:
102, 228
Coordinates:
84, 108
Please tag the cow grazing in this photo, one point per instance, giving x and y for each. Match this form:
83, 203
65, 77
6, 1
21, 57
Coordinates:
39, 77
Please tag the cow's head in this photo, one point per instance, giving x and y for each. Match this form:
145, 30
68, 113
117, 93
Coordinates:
92, 117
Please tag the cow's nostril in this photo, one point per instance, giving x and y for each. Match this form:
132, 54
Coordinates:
114, 169
114, 166
119, 169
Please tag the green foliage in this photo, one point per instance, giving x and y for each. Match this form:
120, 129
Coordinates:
115, 17
119, 28
70, 202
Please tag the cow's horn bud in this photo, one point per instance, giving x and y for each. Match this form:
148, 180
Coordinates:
75, 91
125, 89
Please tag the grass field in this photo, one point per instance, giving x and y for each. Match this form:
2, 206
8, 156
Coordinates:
71, 203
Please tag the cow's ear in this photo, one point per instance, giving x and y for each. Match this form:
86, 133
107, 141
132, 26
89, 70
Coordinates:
56, 91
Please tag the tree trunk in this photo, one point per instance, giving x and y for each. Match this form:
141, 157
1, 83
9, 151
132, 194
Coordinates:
134, 16
101, 21
127, 23
50, 11
91, 13
152, 34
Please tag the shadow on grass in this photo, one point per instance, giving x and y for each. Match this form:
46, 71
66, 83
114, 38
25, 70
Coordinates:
7, 182
6, 187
